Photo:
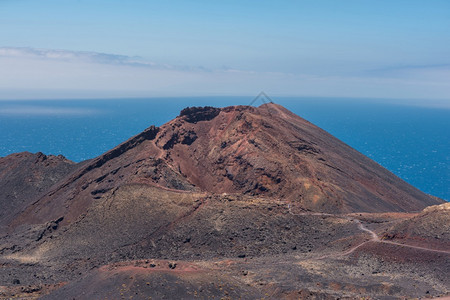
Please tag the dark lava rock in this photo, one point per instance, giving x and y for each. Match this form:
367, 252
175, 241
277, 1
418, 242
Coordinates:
172, 265
197, 114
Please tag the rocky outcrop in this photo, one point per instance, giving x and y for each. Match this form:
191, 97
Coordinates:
197, 114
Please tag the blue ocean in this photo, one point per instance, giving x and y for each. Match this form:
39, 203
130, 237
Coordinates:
410, 140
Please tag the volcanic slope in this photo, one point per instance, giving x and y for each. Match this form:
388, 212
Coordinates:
230, 202
430, 228
24, 177
266, 151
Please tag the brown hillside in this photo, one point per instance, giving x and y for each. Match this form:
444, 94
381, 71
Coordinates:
430, 228
24, 177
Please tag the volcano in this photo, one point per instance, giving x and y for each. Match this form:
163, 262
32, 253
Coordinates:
218, 201
265, 151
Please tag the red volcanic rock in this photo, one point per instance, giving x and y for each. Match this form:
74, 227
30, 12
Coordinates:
272, 152
266, 151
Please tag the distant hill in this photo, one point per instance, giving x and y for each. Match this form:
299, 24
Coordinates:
24, 177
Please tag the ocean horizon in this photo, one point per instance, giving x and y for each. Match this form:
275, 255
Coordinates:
409, 138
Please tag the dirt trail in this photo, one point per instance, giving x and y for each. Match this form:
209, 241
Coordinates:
374, 237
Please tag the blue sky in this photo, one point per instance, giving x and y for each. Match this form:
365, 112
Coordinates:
83, 49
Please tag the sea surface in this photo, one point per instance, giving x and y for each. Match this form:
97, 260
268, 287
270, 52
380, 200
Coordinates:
407, 137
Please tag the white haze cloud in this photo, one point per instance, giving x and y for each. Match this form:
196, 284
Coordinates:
28, 73
30, 110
